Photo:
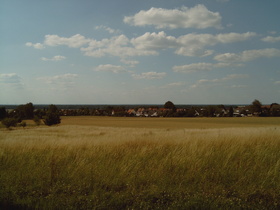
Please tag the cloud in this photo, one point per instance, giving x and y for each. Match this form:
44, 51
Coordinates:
131, 63
272, 32
222, 1
110, 30
189, 44
75, 41
203, 82
110, 68
55, 58
63, 81
277, 83
11, 79
234, 76
239, 86
154, 41
149, 75
36, 46
271, 39
197, 17
144, 45
234, 37
247, 55
195, 67
123, 47
194, 44
173, 84
119, 46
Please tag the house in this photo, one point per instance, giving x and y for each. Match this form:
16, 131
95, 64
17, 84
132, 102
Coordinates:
237, 111
131, 112
140, 112
242, 111
155, 114
274, 110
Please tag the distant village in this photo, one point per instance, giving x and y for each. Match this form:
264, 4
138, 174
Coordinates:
192, 111
30, 111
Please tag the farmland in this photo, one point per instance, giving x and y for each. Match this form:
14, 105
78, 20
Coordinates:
171, 123
142, 163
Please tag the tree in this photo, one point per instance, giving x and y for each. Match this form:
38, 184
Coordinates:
3, 113
29, 111
52, 116
256, 107
9, 122
37, 120
191, 112
24, 112
275, 110
210, 111
230, 112
169, 105
23, 124
39, 113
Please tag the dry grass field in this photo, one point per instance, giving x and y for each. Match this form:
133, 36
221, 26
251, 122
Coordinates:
142, 163
172, 123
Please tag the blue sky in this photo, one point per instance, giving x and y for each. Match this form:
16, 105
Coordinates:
139, 52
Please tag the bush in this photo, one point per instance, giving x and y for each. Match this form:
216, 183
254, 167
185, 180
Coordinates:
37, 120
52, 116
3, 113
22, 124
51, 119
10, 122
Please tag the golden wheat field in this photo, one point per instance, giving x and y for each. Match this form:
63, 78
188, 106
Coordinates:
142, 163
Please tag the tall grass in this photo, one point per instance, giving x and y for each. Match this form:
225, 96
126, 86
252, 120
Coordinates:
87, 167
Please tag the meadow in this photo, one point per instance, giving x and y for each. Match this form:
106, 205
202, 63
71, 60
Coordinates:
142, 163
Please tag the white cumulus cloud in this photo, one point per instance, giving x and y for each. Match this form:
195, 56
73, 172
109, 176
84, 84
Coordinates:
144, 45
131, 63
189, 44
73, 41
110, 68
194, 44
197, 17
119, 46
149, 75
55, 58
203, 82
64, 80
10, 78
154, 41
222, 1
248, 55
36, 46
271, 39
110, 30
194, 67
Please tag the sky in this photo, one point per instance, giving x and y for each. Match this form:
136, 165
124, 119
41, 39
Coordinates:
139, 52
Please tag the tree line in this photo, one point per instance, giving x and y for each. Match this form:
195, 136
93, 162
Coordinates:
49, 116
171, 110
256, 108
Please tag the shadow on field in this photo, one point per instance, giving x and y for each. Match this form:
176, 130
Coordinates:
6, 205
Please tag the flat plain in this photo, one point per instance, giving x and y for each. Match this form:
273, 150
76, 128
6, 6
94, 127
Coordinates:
142, 163
172, 123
